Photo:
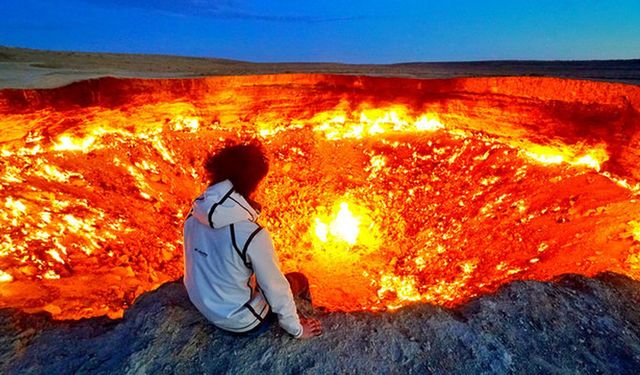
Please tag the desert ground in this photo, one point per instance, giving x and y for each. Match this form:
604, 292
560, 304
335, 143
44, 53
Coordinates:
26, 68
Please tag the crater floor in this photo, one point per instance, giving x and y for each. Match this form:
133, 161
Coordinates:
451, 187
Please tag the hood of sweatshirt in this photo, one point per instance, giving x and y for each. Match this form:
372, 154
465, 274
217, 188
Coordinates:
220, 206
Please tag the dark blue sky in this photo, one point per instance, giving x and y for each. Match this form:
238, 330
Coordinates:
373, 31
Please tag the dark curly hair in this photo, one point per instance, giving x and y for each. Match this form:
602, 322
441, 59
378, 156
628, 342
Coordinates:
245, 165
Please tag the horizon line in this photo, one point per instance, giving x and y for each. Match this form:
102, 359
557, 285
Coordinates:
314, 62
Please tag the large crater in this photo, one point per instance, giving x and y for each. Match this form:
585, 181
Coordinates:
384, 191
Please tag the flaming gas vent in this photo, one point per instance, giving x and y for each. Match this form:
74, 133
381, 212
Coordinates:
383, 191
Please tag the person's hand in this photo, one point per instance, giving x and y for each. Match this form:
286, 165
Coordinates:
310, 328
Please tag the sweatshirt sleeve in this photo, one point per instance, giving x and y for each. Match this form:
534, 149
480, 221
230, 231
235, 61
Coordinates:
273, 284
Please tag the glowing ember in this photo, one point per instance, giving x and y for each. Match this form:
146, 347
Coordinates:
635, 230
381, 199
5, 277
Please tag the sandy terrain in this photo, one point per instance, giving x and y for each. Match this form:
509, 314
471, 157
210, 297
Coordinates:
27, 68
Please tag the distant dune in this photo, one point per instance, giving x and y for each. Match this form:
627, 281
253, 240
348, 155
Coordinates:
28, 68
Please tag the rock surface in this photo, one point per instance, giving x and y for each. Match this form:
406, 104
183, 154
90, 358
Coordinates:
571, 325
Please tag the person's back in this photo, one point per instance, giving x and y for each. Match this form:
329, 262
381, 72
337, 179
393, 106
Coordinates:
224, 247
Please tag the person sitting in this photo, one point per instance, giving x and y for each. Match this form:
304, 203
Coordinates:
231, 270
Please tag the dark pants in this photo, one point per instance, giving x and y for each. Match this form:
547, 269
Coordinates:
299, 285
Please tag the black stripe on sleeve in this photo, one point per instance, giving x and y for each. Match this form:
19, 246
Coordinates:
213, 207
246, 245
233, 241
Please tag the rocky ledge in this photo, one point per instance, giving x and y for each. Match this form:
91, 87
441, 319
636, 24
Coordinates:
573, 324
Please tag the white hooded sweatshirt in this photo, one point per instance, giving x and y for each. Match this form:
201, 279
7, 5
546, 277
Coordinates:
223, 248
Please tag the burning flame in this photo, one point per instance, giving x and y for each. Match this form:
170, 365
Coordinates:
369, 122
591, 158
345, 226
5, 277
69, 143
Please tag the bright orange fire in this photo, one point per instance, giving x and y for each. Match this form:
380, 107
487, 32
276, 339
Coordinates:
345, 226
384, 192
